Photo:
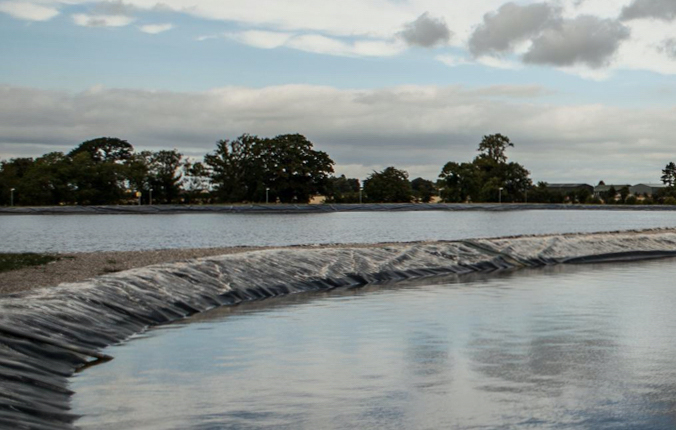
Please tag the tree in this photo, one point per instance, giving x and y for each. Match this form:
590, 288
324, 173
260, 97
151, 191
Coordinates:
47, 181
624, 193
669, 174
164, 175
12, 173
105, 149
610, 196
459, 182
196, 181
343, 190
388, 186
99, 170
482, 179
423, 190
236, 168
286, 164
493, 147
292, 169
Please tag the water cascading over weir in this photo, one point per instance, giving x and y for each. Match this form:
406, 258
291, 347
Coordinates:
48, 334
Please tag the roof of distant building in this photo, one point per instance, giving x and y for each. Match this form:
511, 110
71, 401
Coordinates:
567, 185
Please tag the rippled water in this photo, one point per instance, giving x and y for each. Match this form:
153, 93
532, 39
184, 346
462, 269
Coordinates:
568, 347
75, 233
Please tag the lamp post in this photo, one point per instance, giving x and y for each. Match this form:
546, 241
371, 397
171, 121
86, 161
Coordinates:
11, 197
150, 198
500, 195
267, 195
360, 191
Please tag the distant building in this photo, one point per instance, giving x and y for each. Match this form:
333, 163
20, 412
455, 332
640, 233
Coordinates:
569, 188
646, 189
600, 189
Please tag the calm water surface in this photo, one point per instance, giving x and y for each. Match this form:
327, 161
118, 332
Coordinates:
73, 233
578, 347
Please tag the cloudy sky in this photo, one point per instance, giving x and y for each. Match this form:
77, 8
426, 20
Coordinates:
585, 88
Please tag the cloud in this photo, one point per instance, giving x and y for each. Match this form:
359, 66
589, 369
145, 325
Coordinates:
317, 43
657, 9
402, 126
156, 28
585, 40
28, 11
261, 39
86, 20
114, 8
669, 47
426, 32
501, 30
546, 37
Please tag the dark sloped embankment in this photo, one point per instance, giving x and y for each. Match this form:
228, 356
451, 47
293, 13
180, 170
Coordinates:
47, 334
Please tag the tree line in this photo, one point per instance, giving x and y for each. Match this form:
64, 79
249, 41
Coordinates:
252, 169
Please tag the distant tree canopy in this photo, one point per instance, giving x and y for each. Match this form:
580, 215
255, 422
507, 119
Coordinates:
343, 190
390, 185
286, 165
99, 171
481, 180
423, 190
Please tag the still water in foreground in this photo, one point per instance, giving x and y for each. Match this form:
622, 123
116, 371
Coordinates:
564, 347
88, 233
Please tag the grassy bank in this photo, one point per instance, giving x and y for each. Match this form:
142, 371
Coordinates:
19, 261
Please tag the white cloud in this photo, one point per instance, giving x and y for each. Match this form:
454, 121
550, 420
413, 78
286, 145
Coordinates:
28, 11
156, 28
86, 20
318, 43
488, 61
261, 39
402, 126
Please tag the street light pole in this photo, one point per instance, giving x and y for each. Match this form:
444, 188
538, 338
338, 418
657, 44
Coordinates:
500, 195
360, 191
150, 199
11, 197
267, 195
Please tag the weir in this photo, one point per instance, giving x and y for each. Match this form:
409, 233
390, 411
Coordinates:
48, 334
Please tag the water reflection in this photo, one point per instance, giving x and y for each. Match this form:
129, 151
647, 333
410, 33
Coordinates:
566, 347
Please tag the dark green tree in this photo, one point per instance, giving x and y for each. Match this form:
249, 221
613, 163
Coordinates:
493, 147
669, 174
47, 182
165, 174
482, 179
12, 173
423, 190
388, 186
459, 182
624, 193
236, 168
292, 169
341, 189
99, 170
286, 164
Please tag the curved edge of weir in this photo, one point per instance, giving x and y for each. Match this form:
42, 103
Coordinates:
48, 334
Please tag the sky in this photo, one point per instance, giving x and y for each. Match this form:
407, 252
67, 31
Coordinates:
586, 89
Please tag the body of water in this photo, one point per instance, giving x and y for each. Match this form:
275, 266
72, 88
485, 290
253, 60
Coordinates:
85, 233
568, 347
